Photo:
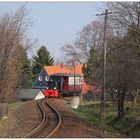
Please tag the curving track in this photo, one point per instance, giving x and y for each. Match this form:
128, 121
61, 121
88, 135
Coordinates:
51, 121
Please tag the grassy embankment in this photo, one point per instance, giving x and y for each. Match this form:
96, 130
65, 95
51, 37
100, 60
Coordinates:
128, 126
11, 107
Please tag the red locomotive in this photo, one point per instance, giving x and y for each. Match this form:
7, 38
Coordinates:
51, 90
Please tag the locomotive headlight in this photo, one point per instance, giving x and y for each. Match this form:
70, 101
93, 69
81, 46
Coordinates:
46, 87
54, 88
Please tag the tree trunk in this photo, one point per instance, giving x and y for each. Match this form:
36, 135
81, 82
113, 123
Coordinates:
134, 101
113, 99
81, 97
135, 96
121, 98
3, 110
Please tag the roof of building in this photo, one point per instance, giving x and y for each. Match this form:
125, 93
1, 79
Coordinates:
64, 69
66, 75
28, 93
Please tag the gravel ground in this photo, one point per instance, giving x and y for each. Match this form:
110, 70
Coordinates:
73, 126
27, 116
21, 120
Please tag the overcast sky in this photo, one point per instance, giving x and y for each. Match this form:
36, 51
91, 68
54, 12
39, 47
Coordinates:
56, 23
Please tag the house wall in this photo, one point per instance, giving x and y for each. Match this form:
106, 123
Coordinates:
43, 83
86, 87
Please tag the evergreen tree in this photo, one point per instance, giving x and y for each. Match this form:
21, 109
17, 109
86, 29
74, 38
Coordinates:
88, 69
26, 74
43, 58
25, 68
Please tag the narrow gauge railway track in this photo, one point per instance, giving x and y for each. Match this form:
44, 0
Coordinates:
65, 98
51, 121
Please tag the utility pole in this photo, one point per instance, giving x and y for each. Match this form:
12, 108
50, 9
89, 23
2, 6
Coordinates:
106, 13
74, 73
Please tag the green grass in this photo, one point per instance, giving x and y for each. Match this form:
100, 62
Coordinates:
11, 106
129, 125
14, 105
90, 111
2, 121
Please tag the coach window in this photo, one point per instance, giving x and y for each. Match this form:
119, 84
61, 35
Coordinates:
40, 78
70, 81
77, 80
80, 80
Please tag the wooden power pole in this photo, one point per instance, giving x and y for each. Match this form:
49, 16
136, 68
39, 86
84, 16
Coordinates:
104, 64
74, 75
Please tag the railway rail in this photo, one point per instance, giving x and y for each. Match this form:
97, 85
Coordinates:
51, 121
65, 99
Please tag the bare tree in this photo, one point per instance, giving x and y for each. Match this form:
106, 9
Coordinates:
127, 13
89, 37
123, 53
67, 55
13, 29
123, 68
